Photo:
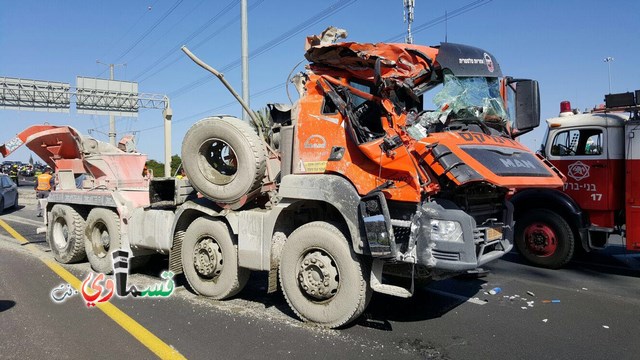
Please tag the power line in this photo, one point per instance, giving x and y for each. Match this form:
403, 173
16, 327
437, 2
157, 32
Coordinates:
178, 55
148, 31
209, 111
311, 21
168, 31
195, 33
135, 23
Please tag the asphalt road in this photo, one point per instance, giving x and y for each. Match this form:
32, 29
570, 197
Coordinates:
597, 316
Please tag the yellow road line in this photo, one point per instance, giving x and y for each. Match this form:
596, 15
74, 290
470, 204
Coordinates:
146, 337
13, 233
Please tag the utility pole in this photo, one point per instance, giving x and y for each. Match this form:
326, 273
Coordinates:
609, 60
245, 56
112, 119
167, 114
409, 6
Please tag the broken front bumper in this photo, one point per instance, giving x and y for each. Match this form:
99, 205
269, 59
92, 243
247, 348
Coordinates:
444, 240
451, 240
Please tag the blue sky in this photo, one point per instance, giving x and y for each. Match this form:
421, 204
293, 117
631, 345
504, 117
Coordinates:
562, 44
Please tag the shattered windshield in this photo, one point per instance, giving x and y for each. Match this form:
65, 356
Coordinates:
463, 99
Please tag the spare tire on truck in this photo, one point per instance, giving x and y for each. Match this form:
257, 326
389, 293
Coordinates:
224, 159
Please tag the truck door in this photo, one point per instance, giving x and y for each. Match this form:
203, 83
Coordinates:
632, 193
581, 154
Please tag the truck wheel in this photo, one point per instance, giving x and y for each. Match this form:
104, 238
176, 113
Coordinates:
322, 279
65, 234
224, 158
210, 260
544, 238
102, 239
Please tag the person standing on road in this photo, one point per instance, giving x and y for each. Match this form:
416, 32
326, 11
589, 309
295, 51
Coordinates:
182, 174
44, 185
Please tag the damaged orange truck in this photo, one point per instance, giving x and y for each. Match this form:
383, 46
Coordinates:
360, 177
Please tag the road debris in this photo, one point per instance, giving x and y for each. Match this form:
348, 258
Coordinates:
545, 320
495, 290
551, 301
530, 293
478, 301
605, 326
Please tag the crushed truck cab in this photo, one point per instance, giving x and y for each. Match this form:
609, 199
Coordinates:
433, 182
392, 168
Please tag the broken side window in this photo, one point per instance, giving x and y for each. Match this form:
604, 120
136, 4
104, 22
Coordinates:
328, 106
368, 115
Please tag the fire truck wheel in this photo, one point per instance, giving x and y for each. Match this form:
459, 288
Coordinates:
323, 280
224, 159
102, 237
65, 234
544, 238
210, 260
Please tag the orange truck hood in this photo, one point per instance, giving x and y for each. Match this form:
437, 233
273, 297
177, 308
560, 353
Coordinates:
466, 157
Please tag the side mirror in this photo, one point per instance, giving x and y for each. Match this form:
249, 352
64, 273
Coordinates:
527, 105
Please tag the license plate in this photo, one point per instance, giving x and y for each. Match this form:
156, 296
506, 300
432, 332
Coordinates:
494, 233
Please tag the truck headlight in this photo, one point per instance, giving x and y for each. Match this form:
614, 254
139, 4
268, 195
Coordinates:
444, 230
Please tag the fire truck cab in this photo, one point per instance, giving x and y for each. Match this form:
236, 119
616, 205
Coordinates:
599, 153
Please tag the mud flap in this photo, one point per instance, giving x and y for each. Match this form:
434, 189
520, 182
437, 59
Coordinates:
45, 214
277, 243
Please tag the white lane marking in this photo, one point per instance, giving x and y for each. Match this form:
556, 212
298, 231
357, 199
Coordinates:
22, 220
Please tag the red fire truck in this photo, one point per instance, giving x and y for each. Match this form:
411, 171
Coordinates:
599, 152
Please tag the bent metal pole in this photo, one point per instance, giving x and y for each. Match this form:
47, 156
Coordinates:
224, 81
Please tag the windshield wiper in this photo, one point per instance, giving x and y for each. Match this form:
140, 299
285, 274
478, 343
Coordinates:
480, 123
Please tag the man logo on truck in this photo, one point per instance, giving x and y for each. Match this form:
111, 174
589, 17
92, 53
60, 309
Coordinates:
518, 163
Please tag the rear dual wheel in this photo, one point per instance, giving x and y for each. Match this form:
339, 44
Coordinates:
210, 260
102, 238
65, 234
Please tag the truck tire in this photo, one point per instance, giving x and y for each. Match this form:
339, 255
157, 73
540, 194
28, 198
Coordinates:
102, 237
323, 281
65, 234
224, 159
544, 238
210, 260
